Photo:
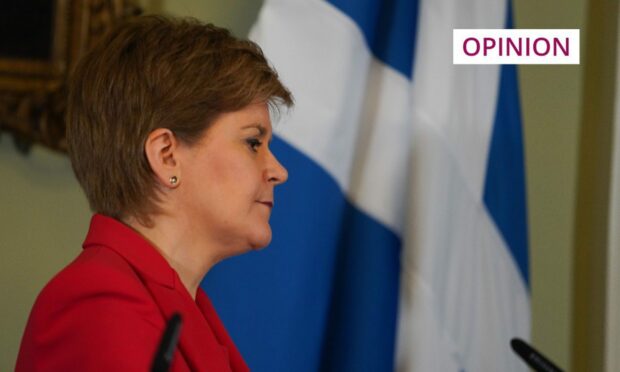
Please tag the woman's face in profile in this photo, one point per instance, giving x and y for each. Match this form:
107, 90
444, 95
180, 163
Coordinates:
228, 179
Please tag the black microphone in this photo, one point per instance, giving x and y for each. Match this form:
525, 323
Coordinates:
167, 345
532, 357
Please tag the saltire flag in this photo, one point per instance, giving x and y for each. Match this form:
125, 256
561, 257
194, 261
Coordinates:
465, 280
325, 295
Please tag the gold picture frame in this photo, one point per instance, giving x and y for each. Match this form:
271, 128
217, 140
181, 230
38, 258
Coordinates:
46, 39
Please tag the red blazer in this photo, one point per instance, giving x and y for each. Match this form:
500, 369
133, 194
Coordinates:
106, 311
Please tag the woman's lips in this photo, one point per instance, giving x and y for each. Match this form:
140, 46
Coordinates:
267, 203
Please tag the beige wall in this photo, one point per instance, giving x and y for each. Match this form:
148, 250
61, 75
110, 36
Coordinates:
236, 15
551, 106
44, 215
43, 219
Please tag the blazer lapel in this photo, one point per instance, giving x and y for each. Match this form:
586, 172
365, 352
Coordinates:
197, 342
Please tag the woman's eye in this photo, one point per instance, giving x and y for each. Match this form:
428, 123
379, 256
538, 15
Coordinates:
254, 143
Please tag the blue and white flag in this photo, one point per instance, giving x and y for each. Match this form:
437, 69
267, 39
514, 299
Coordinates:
465, 290
379, 106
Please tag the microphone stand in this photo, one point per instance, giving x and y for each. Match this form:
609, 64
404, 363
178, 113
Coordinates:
167, 345
532, 357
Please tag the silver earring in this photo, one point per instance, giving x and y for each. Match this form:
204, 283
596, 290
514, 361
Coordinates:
174, 180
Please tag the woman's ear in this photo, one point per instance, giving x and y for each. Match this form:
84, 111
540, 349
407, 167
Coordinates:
161, 148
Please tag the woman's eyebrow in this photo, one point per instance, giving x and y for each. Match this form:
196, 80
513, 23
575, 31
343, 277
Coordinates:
262, 131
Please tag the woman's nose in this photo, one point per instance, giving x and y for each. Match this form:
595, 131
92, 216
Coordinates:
275, 171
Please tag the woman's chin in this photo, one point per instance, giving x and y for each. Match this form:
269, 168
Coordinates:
260, 239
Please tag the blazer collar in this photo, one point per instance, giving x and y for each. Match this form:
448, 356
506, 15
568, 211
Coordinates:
203, 341
143, 256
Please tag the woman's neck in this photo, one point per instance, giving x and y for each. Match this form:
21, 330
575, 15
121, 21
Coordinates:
189, 257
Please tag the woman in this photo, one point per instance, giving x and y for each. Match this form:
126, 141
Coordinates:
168, 128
